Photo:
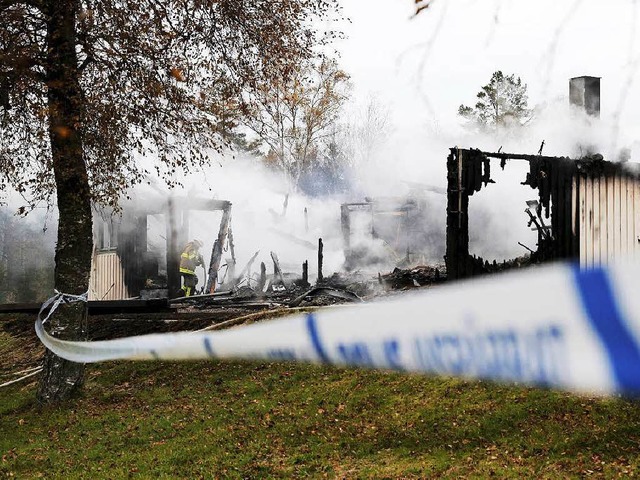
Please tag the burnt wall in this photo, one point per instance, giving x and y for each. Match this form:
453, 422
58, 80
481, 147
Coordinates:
132, 250
468, 171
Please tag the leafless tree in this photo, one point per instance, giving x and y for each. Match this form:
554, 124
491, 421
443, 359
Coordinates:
293, 116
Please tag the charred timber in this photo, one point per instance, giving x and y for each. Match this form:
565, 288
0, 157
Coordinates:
216, 253
320, 260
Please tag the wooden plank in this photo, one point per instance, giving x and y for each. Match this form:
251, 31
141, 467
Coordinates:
626, 215
575, 219
634, 210
588, 221
595, 223
568, 220
277, 272
216, 253
611, 221
630, 230
582, 219
98, 307
617, 198
621, 216
20, 308
173, 253
603, 220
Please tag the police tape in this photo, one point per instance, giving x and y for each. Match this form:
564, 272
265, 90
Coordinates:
555, 326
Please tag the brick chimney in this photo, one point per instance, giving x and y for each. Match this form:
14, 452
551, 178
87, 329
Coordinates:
584, 93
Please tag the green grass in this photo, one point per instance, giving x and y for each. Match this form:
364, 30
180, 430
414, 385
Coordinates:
249, 420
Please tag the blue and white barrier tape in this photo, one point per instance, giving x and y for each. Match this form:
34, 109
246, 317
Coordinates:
54, 302
555, 326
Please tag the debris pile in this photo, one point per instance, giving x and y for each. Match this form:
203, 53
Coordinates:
420, 276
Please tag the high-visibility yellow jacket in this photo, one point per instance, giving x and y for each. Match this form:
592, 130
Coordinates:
189, 260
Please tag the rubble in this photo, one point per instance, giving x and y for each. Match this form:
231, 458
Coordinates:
324, 291
420, 276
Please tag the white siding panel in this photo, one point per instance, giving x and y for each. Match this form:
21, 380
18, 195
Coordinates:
612, 222
582, 220
107, 278
635, 233
622, 219
609, 215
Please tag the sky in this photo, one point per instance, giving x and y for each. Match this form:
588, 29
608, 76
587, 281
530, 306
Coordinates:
424, 67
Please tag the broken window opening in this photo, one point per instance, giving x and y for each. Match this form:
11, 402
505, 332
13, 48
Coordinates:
593, 207
499, 227
469, 171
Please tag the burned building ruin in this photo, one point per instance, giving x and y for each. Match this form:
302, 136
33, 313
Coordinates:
400, 224
127, 261
588, 209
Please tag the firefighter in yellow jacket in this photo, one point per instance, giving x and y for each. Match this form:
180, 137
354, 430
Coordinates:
189, 260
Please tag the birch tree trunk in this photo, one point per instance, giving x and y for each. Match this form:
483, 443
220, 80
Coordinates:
60, 378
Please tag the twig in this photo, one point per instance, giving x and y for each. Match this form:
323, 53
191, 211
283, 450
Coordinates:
21, 378
276, 313
28, 370
524, 246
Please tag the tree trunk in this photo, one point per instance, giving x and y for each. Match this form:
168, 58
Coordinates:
61, 378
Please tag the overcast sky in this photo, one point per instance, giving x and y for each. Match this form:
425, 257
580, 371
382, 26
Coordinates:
426, 66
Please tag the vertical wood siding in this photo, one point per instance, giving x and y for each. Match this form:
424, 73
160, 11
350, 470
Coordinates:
609, 218
107, 278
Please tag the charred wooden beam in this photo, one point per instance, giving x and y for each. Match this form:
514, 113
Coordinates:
247, 268
277, 272
99, 307
173, 255
231, 262
216, 252
199, 203
345, 224
520, 156
320, 260
190, 203
263, 276
457, 252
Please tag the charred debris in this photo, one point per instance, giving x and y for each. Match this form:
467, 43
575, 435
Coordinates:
135, 274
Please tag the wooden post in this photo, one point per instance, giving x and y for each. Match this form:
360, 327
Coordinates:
457, 256
276, 267
320, 258
263, 276
173, 255
232, 250
246, 270
345, 224
305, 272
216, 252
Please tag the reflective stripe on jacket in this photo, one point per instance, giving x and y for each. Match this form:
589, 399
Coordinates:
189, 261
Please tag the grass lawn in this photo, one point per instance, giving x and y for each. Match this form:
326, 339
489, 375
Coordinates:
250, 420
